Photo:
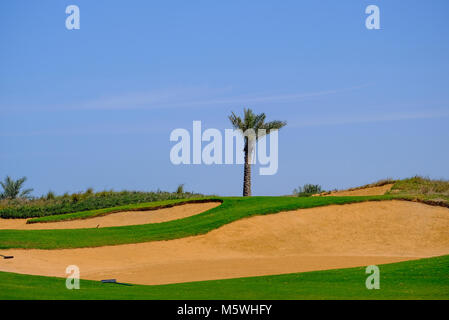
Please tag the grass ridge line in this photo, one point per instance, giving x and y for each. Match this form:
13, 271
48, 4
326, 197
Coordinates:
148, 206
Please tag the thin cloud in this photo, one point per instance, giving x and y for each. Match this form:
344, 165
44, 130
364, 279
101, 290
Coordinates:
89, 131
197, 97
179, 98
370, 119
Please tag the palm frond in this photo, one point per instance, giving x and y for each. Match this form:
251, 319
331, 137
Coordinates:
259, 121
26, 193
12, 188
255, 122
236, 121
274, 125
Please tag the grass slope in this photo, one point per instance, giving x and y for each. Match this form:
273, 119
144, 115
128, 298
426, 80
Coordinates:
130, 207
422, 188
419, 279
230, 210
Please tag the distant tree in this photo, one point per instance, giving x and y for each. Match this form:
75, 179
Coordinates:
12, 189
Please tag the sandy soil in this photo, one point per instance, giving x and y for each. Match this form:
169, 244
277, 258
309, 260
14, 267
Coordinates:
373, 191
295, 241
126, 218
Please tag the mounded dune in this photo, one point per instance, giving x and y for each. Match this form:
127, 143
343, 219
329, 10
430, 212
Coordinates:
370, 191
126, 218
296, 241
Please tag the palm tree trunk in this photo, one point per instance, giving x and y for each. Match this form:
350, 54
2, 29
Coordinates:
247, 172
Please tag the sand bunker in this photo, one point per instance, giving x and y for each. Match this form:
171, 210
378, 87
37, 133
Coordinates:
371, 191
126, 218
295, 241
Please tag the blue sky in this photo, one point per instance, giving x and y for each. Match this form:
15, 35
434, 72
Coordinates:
95, 107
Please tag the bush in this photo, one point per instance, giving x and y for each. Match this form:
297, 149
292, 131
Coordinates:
307, 190
50, 195
180, 189
75, 197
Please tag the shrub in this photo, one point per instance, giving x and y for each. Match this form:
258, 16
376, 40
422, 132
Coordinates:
50, 195
307, 190
180, 189
75, 197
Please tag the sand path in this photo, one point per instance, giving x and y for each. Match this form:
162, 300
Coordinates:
126, 218
295, 241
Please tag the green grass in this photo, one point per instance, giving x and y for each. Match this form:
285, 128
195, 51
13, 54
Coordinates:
419, 279
102, 212
230, 210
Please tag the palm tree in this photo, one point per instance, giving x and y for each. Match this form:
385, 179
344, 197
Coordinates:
252, 122
12, 188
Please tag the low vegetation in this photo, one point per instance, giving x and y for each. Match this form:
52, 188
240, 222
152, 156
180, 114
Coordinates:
51, 204
420, 186
419, 279
431, 191
307, 190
